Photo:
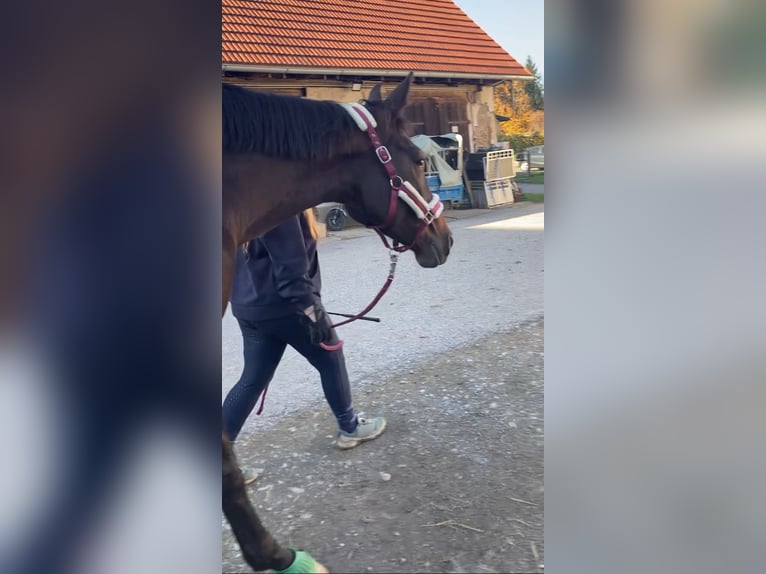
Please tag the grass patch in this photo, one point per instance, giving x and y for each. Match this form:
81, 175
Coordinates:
535, 177
533, 197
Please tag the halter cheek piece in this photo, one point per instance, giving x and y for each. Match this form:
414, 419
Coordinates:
425, 211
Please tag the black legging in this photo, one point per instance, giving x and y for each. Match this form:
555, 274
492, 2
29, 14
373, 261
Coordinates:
264, 344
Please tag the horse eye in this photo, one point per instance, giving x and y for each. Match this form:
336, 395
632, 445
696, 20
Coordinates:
421, 163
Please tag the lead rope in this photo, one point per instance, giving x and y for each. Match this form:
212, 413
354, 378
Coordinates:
263, 399
394, 258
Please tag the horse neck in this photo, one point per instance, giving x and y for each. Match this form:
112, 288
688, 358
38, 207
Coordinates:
261, 192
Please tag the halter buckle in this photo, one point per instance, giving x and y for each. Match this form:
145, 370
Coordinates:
383, 154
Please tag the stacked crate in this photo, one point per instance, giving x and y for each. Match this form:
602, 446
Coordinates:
491, 174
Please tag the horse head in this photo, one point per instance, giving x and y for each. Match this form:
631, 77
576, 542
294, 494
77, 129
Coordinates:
391, 193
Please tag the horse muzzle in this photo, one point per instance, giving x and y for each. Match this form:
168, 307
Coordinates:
433, 248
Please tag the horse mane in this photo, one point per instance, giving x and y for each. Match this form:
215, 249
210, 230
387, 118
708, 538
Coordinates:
286, 127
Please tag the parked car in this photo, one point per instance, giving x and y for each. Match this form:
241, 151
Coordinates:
537, 156
333, 215
534, 155
521, 161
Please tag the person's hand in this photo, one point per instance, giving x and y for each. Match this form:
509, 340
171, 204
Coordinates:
318, 324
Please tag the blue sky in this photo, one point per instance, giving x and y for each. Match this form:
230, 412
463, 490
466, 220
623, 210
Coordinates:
517, 25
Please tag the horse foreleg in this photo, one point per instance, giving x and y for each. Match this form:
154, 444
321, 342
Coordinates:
259, 548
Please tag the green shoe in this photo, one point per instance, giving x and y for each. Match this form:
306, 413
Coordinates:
366, 429
304, 563
249, 475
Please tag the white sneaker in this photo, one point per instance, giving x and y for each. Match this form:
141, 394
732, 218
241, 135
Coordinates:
366, 429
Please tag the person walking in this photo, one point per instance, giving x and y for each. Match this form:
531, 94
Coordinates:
276, 299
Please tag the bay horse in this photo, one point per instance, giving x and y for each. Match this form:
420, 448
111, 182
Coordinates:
284, 154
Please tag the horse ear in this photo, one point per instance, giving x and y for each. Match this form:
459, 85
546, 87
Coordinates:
375, 93
397, 101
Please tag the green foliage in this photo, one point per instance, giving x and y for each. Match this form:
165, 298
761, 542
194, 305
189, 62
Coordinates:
511, 100
536, 177
533, 197
520, 142
534, 88
522, 101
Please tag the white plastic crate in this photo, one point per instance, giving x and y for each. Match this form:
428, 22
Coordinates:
499, 165
488, 194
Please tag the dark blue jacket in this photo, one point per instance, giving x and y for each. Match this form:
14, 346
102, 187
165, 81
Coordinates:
277, 274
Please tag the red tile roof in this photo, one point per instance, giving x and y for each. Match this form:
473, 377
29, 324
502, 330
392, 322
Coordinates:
361, 35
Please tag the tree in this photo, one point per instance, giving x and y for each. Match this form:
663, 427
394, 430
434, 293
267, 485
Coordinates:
534, 87
512, 101
521, 101
536, 123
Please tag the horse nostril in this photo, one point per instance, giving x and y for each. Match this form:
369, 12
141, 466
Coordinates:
451, 241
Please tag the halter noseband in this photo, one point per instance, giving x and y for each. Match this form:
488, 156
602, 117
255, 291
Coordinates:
425, 211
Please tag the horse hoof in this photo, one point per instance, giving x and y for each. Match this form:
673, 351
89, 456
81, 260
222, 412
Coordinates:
321, 569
